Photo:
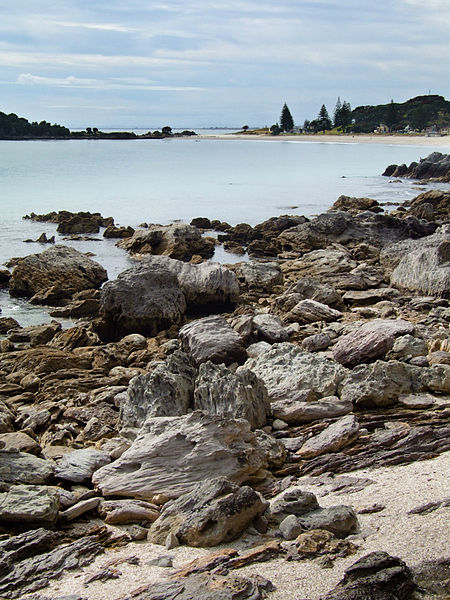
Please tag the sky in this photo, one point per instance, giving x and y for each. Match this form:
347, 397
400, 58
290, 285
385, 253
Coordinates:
203, 63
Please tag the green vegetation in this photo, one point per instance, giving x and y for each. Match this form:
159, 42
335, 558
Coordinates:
13, 127
286, 120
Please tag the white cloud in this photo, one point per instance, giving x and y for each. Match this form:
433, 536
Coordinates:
99, 26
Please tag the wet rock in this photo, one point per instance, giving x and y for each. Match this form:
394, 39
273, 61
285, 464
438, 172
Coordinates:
376, 576
172, 455
54, 274
216, 511
166, 391
29, 504
435, 166
20, 467
369, 341
213, 339
79, 465
336, 436
240, 394
118, 232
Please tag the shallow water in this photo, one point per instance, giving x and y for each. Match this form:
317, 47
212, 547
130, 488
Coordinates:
159, 181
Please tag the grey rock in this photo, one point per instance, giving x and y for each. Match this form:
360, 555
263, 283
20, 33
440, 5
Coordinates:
257, 348
80, 508
233, 394
336, 436
166, 391
212, 338
20, 467
269, 328
416, 401
120, 512
296, 410
286, 369
316, 343
35, 504
290, 527
259, 276
311, 311
171, 541
79, 465
274, 449
293, 501
216, 511
172, 455
369, 341
21, 441
406, 347
339, 520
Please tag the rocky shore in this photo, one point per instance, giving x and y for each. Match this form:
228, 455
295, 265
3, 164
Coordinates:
195, 404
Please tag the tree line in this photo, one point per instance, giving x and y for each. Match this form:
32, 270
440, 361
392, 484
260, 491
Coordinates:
342, 119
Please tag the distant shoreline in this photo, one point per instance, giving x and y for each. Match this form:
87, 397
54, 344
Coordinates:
419, 140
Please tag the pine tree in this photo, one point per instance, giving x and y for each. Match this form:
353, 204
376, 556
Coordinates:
286, 120
323, 119
391, 115
346, 115
337, 113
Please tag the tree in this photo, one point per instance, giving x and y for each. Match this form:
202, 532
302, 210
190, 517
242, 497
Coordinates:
275, 129
391, 115
167, 130
306, 125
346, 115
286, 120
244, 127
323, 119
337, 121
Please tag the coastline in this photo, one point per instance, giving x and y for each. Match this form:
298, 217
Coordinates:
443, 141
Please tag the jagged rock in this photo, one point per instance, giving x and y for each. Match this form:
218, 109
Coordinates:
317, 342
324, 264
356, 205
20, 441
216, 511
376, 576
239, 394
35, 504
273, 448
87, 307
172, 455
178, 240
293, 501
213, 339
20, 467
81, 222
74, 337
369, 341
406, 347
54, 274
260, 277
6, 419
166, 391
435, 166
433, 205
432, 576
79, 465
8, 323
305, 407
120, 512
144, 299
309, 288
319, 542
286, 369
336, 436
311, 311
269, 328
118, 232
35, 335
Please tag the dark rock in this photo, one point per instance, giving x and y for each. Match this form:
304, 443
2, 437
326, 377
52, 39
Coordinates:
201, 223
8, 323
79, 465
435, 166
356, 205
5, 276
118, 232
29, 505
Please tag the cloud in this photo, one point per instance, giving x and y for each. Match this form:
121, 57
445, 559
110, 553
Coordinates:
98, 26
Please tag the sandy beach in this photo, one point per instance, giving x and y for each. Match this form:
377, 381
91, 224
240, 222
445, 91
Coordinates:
412, 537
405, 140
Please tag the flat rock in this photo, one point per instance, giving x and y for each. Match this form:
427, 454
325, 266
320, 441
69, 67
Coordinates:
258, 276
233, 394
269, 328
213, 339
372, 296
79, 465
20, 467
296, 411
369, 341
36, 504
121, 512
172, 455
20, 441
214, 512
333, 438
339, 520
311, 311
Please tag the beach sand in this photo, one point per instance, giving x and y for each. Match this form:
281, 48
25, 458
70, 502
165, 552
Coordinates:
409, 140
414, 538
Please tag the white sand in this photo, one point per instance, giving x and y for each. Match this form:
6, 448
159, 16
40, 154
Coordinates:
409, 140
413, 538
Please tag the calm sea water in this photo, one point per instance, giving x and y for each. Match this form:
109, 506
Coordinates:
159, 181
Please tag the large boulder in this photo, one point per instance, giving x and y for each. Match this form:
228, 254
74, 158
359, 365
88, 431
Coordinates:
435, 166
333, 438
55, 274
78, 466
213, 339
369, 341
178, 240
21, 467
356, 205
233, 394
36, 504
173, 455
216, 511
145, 299
166, 391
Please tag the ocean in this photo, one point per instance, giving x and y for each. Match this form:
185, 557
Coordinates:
161, 181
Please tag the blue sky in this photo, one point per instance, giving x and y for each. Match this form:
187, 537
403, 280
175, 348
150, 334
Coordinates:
199, 63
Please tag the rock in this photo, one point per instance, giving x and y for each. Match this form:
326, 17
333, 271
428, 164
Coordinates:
216, 511
339, 520
269, 328
54, 274
79, 465
8, 323
74, 337
213, 339
421, 266
376, 576
334, 262
310, 311
432, 576
120, 512
319, 542
240, 394
35, 335
257, 348
304, 408
356, 205
414, 401
80, 508
172, 455
19, 467
293, 501
369, 341
432, 205
286, 369
290, 527
178, 240
308, 288
118, 232
368, 297
30, 504
21, 441
260, 277
315, 343
144, 299
336, 436
81, 222
435, 166
167, 391
406, 347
